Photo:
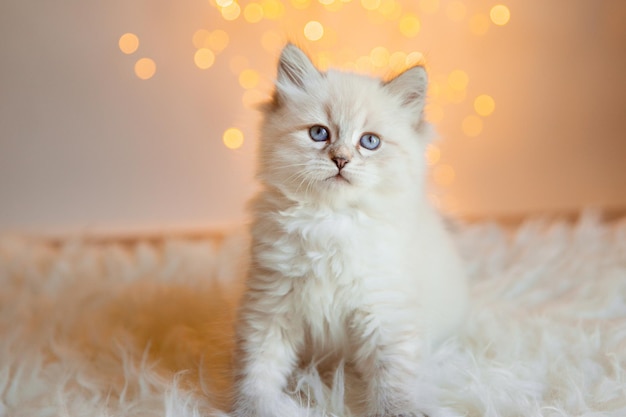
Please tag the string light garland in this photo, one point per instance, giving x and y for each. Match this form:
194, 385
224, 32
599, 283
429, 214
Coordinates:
322, 23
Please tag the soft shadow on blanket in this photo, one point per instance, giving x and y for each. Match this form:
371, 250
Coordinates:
180, 330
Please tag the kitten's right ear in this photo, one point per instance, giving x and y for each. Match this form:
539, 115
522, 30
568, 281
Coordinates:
295, 68
410, 86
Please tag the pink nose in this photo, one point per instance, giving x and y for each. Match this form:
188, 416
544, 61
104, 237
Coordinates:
340, 162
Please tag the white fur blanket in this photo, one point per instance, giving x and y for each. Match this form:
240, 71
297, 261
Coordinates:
144, 329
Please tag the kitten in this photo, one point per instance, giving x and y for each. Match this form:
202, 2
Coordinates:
349, 261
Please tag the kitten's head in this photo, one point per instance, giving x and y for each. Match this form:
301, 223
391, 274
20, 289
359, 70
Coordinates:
337, 137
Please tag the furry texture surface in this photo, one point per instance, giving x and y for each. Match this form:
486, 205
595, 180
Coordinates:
145, 329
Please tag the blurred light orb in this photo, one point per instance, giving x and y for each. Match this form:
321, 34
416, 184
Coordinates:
231, 12
379, 56
458, 80
391, 9
414, 58
397, 61
224, 3
204, 58
500, 14
129, 43
323, 61
145, 68
233, 138
218, 40
253, 13
313, 30
249, 78
200, 38
484, 105
409, 25
273, 9
370, 4
472, 126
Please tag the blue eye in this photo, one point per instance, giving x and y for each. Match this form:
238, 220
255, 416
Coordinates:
369, 141
319, 133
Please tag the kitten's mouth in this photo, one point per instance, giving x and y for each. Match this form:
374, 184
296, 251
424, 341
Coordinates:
338, 178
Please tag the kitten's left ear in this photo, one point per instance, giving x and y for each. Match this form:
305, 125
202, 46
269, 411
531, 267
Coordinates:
410, 87
295, 68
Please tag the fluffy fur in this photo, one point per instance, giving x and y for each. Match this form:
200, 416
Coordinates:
350, 265
144, 329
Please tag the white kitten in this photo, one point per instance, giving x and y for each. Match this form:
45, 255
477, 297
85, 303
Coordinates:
349, 261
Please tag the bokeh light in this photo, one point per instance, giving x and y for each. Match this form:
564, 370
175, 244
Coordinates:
128, 43
500, 15
313, 30
404, 19
370, 4
484, 105
145, 68
379, 56
458, 80
397, 61
200, 38
231, 11
414, 58
323, 61
390, 9
273, 9
253, 13
409, 25
249, 78
233, 138
218, 40
204, 58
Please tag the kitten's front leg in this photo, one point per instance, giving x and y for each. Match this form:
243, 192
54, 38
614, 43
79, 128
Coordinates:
387, 362
267, 354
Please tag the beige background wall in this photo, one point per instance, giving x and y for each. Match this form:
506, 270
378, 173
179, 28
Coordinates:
87, 146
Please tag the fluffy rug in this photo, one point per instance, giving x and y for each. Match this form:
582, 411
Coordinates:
144, 328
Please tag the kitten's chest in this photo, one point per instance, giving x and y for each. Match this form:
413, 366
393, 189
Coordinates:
332, 248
